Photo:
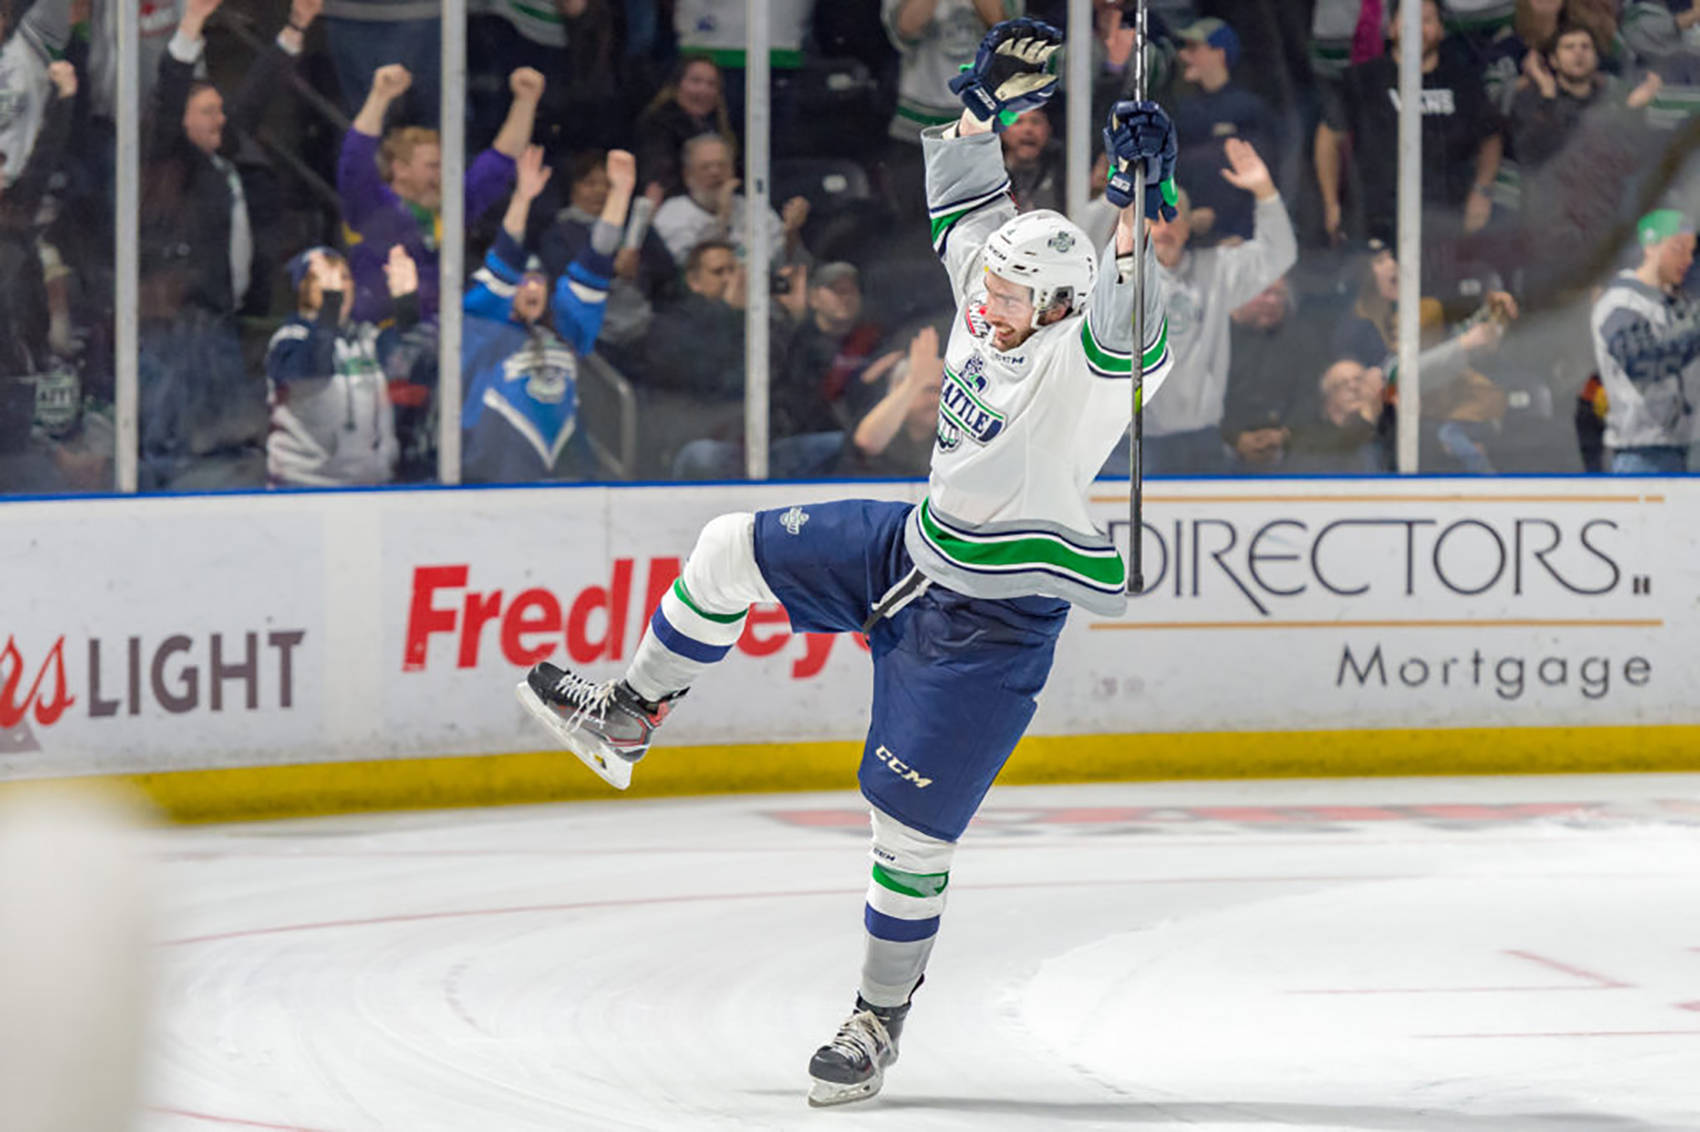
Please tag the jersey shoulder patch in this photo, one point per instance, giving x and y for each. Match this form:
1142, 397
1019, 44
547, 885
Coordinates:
974, 318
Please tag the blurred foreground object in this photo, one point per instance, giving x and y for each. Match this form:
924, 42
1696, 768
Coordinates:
74, 959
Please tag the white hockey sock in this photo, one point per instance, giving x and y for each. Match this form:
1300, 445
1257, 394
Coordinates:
906, 895
702, 616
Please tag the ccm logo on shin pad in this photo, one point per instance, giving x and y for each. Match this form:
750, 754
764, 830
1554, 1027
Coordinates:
900, 768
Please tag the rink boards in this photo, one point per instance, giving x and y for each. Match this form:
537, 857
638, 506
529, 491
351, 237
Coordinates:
303, 653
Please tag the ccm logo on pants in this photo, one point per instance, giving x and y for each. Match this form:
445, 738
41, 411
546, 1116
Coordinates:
901, 768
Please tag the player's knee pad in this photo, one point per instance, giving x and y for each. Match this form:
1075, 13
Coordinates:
721, 573
910, 873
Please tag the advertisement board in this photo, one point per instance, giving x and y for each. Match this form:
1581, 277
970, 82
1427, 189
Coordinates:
150, 635
1322, 605
150, 639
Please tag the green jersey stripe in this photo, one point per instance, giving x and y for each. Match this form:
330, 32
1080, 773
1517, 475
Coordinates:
942, 225
684, 595
926, 117
956, 209
919, 885
1003, 553
1150, 367
542, 15
1113, 361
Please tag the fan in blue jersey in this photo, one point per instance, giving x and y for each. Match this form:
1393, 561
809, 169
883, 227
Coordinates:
522, 346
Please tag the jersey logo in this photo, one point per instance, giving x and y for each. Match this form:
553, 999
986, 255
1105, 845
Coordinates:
961, 407
793, 520
547, 373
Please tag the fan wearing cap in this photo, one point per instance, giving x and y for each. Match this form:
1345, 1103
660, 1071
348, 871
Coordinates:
1204, 121
1646, 342
521, 345
332, 423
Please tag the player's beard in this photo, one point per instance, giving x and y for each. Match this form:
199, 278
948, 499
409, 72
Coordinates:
1005, 338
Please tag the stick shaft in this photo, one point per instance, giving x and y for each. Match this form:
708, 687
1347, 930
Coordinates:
1136, 428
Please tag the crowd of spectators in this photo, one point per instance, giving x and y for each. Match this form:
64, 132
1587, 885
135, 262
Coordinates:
291, 229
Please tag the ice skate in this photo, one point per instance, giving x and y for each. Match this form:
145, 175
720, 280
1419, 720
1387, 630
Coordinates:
608, 725
852, 1066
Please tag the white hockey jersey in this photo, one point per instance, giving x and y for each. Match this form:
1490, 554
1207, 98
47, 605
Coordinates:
1022, 434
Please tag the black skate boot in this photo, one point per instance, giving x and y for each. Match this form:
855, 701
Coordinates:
608, 726
852, 1066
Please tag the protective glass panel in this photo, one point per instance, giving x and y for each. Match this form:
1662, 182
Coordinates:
1549, 130
638, 243
566, 271
57, 65
271, 350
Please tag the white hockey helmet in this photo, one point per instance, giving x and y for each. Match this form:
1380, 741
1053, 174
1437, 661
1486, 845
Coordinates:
1049, 253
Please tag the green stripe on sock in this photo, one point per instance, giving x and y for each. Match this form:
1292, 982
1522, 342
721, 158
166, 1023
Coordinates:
922, 886
684, 595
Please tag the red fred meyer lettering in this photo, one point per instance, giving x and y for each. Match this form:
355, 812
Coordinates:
531, 624
596, 624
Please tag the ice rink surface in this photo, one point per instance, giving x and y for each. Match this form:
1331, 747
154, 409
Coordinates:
1461, 955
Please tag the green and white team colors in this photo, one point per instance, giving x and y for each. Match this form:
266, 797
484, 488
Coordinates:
1022, 434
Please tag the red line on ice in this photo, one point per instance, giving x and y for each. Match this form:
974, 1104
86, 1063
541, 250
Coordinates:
1599, 982
231, 1120
632, 902
1577, 1034
1604, 982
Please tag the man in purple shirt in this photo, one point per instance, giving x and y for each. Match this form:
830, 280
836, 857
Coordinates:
391, 186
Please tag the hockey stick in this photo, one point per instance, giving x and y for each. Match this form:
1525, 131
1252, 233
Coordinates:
1135, 448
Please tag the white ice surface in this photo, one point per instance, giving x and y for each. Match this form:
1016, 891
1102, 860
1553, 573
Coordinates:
671, 965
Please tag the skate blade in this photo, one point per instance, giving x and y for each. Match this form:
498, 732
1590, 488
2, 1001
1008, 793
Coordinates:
824, 1094
609, 767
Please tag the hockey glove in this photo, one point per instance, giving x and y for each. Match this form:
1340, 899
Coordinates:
1141, 132
1010, 73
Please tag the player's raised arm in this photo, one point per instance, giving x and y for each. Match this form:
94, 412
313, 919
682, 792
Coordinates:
967, 187
1136, 132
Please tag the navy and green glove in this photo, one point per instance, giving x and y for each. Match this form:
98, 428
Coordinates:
1011, 73
1141, 132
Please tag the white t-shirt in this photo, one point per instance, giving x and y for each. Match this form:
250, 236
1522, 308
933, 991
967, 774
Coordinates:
718, 29
931, 60
682, 224
540, 23
158, 22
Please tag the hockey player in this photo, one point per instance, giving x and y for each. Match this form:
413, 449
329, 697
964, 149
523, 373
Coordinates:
961, 597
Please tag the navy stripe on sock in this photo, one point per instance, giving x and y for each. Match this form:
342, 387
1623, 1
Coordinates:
893, 930
685, 646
